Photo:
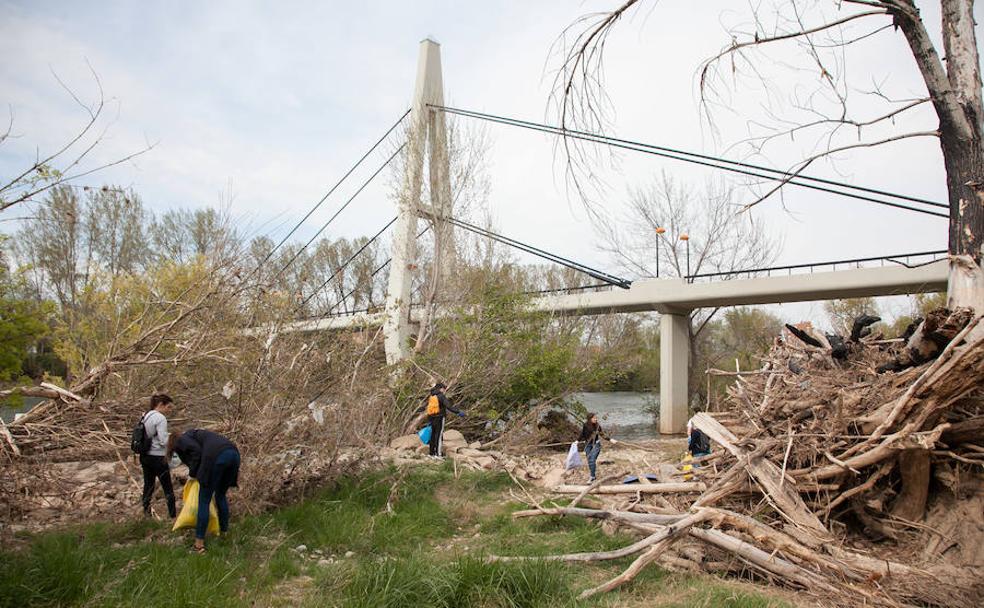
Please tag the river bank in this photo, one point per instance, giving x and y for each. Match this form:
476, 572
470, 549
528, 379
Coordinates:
388, 539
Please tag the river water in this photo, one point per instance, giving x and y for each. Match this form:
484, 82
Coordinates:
7, 412
623, 415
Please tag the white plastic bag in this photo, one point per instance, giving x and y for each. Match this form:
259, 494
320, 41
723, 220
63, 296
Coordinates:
573, 457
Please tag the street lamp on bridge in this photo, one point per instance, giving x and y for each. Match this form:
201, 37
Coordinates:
659, 232
686, 238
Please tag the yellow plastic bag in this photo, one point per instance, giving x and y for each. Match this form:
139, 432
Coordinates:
688, 466
189, 510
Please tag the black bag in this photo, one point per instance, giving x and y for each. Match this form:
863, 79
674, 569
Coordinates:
139, 440
699, 442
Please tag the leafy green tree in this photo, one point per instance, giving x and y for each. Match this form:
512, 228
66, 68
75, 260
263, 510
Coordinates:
22, 324
744, 335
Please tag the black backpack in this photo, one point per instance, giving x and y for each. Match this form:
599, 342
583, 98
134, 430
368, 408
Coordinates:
139, 440
700, 443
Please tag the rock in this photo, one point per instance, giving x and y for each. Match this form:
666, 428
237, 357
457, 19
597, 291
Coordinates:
350, 554
300, 548
406, 442
486, 462
475, 445
553, 478
666, 472
96, 471
325, 562
471, 452
453, 436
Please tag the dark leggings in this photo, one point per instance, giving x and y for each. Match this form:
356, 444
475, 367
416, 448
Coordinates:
437, 428
155, 469
222, 476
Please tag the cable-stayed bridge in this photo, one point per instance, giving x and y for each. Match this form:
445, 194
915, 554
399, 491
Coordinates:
675, 299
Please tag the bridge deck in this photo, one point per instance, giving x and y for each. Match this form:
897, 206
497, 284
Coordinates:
678, 296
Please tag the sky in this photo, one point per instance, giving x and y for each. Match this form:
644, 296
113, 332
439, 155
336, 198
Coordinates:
262, 106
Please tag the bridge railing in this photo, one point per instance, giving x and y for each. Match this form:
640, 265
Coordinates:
908, 260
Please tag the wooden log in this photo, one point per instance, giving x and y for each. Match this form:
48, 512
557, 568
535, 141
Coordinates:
915, 469
768, 562
633, 488
590, 488
964, 431
66, 394
785, 499
778, 541
623, 516
10, 438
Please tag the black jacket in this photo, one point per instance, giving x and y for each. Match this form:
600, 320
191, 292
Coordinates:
199, 449
591, 433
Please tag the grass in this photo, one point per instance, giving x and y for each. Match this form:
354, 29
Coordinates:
428, 552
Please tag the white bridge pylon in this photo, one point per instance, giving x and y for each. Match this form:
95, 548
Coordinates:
427, 137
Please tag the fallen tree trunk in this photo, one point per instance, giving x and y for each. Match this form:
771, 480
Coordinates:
624, 516
767, 561
653, 488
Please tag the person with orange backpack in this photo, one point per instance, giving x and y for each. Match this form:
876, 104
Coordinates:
437, 407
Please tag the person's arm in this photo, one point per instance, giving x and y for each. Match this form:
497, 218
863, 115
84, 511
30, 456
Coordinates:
585, 433
446, 404
190, 453
162, 430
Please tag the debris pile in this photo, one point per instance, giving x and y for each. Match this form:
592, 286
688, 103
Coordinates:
474, 456
851, 469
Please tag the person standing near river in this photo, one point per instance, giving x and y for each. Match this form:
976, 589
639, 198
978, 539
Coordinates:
437, 408
591, 435
153, 464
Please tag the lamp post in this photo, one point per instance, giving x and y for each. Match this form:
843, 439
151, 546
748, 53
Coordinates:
659, 232
686, 238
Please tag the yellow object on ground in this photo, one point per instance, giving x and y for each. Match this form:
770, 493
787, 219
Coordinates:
189, 510
687, 466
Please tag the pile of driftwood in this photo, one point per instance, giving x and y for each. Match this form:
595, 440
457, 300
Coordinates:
847, 467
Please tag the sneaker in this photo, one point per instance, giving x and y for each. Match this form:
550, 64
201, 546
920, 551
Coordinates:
591, 480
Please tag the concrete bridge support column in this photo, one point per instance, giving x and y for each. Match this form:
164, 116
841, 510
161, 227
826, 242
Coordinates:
426, 126
674, 362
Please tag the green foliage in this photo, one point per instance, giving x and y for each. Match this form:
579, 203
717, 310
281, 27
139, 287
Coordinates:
624, 352
928, 302
23, 325
465, 582
504, 355
352, 515
743, 334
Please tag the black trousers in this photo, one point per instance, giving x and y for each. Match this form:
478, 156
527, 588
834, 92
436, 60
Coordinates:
155, 468
437, 429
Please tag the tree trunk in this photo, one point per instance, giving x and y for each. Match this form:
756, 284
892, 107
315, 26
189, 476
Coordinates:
915, 468
956, 94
